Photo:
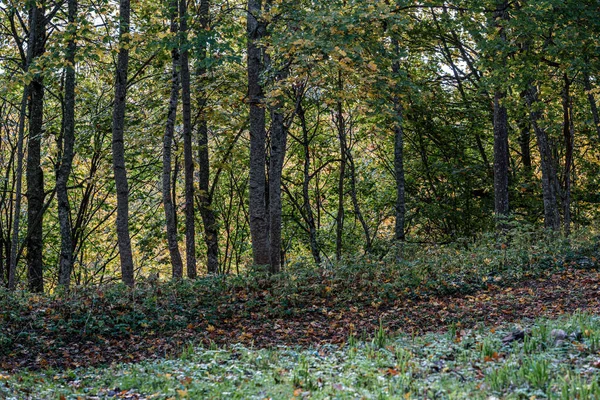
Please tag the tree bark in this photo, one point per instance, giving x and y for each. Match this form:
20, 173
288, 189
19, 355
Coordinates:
171, 222
568, 136
341, 128
188, 158
398, 154
278, 146
549, 179
209, 220
501, 156
35, 174
259, 227
14, 246
525, 143
64, 171
118, 145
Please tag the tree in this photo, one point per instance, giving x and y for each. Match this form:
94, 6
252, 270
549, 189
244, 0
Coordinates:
35, 174
62, 177
118, 145
259, 226
205, 193
168, 198
501, 153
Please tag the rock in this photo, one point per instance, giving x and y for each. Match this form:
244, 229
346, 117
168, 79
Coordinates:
517, 335
558, 334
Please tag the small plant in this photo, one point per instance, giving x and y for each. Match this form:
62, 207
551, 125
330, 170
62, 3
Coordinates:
535, 372
380, 340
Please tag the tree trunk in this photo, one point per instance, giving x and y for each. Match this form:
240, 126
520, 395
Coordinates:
209, 220
310, 219
35, 174
118, 146
354, 198
399, 154
568, 135
278, 145
64, 210
588, 89
549, 180
341, 128
258, 208
501, 156
188, 158
14, 246
176, 262
525, 143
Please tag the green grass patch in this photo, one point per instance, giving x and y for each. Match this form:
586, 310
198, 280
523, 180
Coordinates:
465, 364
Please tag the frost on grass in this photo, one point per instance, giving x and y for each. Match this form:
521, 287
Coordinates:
556, 359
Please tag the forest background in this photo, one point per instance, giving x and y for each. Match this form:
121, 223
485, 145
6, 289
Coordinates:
285, 134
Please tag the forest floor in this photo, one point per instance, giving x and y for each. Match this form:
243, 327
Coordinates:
324, 320
483, 357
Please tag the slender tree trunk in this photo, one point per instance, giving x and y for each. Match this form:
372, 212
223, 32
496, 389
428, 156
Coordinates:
35, 174
310, 219
176, 262
259, 227
188, 158
277, 155
209, 220
549, 180
354, 197
525, 143
14, 246
501, 156
341, 127
568, 142
588, 89
399, 154
64, 210
118, 146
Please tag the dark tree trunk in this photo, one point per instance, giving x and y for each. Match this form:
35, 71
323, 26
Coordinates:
209, 220
35, 174
341, 128
258, 208
278, 145
588, 89
168, 199
399, 154
568, 136
525, 143
118, 146
549, 179
188, 158
64, 210
501, 156
14, 245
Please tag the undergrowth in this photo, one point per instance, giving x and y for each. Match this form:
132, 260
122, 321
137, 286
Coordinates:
409, 271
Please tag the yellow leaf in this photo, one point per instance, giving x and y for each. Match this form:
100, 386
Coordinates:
182, 393
372, 66
210, 328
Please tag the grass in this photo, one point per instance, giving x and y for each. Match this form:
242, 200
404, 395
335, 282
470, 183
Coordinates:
457, 364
